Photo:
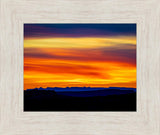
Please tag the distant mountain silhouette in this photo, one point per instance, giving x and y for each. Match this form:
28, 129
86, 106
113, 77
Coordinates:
59, 89
104, 92
108, 99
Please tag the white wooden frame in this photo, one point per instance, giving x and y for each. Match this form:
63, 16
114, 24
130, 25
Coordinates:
14, 13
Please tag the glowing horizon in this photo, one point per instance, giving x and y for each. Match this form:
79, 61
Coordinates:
74, 55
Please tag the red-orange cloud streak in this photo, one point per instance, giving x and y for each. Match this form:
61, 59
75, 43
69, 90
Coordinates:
94, 66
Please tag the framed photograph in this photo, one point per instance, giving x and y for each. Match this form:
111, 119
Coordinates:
79, 67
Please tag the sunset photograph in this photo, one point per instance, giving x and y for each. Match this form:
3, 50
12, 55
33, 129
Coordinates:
80, 67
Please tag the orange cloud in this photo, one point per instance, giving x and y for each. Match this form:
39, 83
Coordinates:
94, 62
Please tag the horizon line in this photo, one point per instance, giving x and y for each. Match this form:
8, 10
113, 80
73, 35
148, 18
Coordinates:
78, 87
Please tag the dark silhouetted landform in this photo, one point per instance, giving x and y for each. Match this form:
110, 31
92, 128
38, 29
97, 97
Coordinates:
80, 99
59, 89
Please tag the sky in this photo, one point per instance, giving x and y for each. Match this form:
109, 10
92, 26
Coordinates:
78, 55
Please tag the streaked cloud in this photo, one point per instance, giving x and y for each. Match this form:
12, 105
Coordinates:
78, 30
55, 57
78, 42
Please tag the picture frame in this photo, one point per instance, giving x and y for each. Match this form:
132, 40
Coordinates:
14, 121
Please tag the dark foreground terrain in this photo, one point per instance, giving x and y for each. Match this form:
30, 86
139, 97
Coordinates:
49, 100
